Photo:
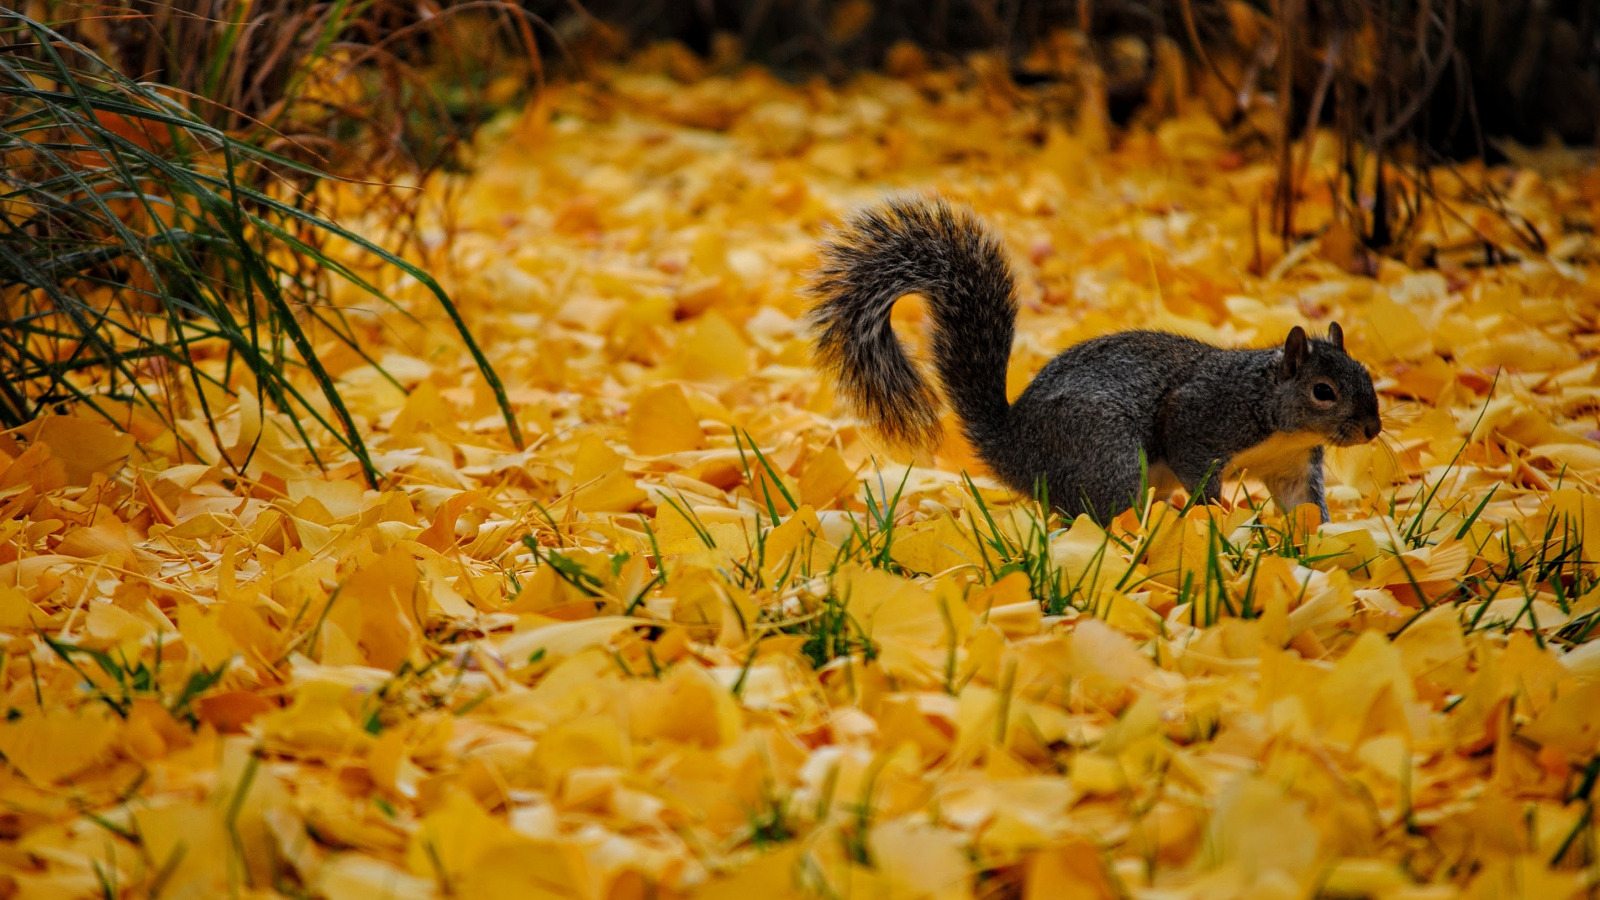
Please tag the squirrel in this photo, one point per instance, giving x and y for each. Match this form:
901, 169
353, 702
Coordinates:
1102, 418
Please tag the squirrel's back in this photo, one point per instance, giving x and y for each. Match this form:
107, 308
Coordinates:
924, 246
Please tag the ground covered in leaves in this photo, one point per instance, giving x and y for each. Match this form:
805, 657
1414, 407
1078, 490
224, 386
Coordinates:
702, 637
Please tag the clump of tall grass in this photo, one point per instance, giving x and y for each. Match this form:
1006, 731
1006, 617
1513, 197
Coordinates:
146, 260
357, 88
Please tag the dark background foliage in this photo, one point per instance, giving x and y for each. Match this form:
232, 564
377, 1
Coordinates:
1523, 69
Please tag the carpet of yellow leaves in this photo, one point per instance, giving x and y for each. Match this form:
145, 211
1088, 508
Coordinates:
737, 655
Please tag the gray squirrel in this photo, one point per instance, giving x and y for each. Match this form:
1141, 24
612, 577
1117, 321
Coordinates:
1101, 418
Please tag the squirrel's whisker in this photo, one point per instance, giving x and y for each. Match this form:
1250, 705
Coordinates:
1390, 446
1401, 414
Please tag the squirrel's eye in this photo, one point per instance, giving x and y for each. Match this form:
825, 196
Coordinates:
1324, 391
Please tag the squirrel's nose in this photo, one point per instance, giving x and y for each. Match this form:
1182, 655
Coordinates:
1372, 428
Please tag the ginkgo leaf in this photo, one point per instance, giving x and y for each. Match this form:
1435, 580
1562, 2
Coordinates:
51, 745
660, 421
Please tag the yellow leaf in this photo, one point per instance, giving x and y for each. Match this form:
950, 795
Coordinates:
711, 349
354, 876
112, 626
675, 531
555, 641
687, 706
458, 842
17, 612
317, 721
1258, 830
921, 860
1432, 648
342, 499
797, 545
581, 743
108, 536
1085, 559
824, 478
191, 839
1569, 724
935, 546
380, 607
769, 875
82, 446
1350, 544
614, 491
1008, 605
1394, 332
916, 630
1366, 878
1368, 688
57, 743
1100, 652
1096, 774
660, 422
441, 532
1179, 550
1075, 869
203, 632
524, 869
592, 458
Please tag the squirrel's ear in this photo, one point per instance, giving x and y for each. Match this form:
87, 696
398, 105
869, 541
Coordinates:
1294, 352
1336, 335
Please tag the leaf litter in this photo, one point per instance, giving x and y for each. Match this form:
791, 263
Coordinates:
703, 636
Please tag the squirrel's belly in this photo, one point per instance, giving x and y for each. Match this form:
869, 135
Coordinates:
1285, 453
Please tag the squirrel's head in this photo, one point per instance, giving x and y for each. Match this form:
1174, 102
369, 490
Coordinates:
1321, 389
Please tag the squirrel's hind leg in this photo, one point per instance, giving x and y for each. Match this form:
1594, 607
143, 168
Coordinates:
1102, 479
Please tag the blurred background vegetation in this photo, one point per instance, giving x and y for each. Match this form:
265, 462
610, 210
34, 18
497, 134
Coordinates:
1459, 70
162, 251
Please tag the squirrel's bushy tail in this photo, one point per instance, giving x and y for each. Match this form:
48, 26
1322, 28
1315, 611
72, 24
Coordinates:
915, 245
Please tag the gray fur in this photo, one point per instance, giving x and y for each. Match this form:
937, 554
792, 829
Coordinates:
1094, 413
